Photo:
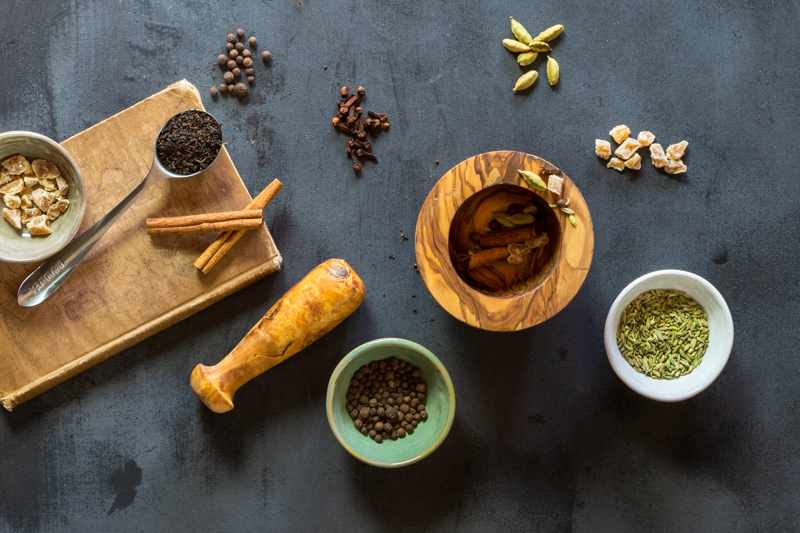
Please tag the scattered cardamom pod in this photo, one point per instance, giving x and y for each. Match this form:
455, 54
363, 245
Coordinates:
502, 218
526, 58
573, 221
550, 33
552, 70
516, 46
526, 80
533, 179
567, 210
520, 32
539, 46
520, 219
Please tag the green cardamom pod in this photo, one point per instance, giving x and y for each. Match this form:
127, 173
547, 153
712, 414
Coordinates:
520, 219
533, 179
516, 46
552, 70
573, 221
520, 32
567, 210
539, 46
550, 33
502, 218
525, 81
553, 205
526, 58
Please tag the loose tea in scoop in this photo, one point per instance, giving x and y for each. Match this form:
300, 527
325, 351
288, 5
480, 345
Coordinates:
189, 142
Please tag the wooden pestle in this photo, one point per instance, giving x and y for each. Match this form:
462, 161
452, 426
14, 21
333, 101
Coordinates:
318, 303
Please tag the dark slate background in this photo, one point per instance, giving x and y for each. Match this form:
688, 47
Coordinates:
546, 437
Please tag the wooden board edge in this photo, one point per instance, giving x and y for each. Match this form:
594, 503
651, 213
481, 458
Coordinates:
33, 389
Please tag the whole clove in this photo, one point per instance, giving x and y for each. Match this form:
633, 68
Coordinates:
352, 119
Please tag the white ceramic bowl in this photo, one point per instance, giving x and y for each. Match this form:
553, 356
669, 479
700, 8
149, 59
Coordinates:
720, 336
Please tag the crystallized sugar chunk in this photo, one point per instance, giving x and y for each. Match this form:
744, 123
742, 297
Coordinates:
42, 199
627, 148
634, 163
53, 212
675, 166
602, 148
617, 164
62, 204
554, 184
620, 133
4, 178
658, 156
44, 169
675, 151
16, 165
13, 216
646, 138
29, 214
15, 187
12, 202
40, 226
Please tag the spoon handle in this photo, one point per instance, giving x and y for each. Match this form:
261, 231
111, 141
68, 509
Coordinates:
51, 274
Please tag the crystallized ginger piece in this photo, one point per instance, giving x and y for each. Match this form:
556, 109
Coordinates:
12, 202
617, 164
47, 184
646, 138
634, 163
53, 213
40, 226
45, 169
30, 183
675, 151
555, 184
25, 201
4, 177
63, 188
627, 148
13, 216
16, 165
675, 166
658, 156
29, 214
620, 133
42, 199
602, 148
62, 204
15, 187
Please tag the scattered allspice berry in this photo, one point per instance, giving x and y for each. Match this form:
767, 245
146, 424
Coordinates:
250, 71
239, 47
223, 87
240, 33
239, 60
213, 91
266, 56
228, 77
231, 64
240, 89
231, 38
236, 72
228, 46
251, 79
222, 60
252, 41
246, 53
234, 54
230, 87
247, 62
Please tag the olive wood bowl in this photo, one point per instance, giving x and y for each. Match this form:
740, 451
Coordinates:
501, 297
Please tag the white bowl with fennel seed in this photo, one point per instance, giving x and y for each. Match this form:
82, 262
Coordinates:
720, 336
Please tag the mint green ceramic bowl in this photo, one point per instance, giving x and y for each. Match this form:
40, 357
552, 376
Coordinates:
440, 405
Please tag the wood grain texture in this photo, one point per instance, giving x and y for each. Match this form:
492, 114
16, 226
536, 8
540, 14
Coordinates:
131, 285
485, 304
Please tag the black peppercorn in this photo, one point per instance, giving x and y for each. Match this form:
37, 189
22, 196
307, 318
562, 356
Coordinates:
239, 47
228, 46
213, 91
231, 38
266, 56
252, 41
240, 33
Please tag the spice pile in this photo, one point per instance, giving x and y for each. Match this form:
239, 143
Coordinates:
528, 49
189, 142
352, 121
238, 59
386, 399
34, 193
626, 156
663, 334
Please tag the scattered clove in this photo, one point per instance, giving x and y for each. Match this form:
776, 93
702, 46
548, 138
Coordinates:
352, 120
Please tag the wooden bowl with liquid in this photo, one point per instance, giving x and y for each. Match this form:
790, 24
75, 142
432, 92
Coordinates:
501, 296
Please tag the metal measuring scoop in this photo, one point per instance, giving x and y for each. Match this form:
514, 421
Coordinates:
51, 274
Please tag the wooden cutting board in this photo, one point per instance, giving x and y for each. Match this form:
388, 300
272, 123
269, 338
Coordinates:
131, 285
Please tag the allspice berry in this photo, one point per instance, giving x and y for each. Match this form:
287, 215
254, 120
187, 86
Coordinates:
239, 60
223, 87
233, 54
240, 89
250, 71
231, 38
228, 46
228, 76
251, 79
221, 59
231, 64
239, 47
246, 53
236, 72
240, 33
561, 203
247, 62
213, 91
266, 56
230, 87
252, 41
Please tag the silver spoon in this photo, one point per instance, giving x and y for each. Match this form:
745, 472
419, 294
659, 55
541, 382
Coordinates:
51, 274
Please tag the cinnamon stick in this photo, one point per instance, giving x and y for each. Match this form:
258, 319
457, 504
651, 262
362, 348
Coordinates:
506, 236
193, 220
484, 257
244, 224
225, 242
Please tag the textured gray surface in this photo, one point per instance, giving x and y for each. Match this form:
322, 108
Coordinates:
546, 438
